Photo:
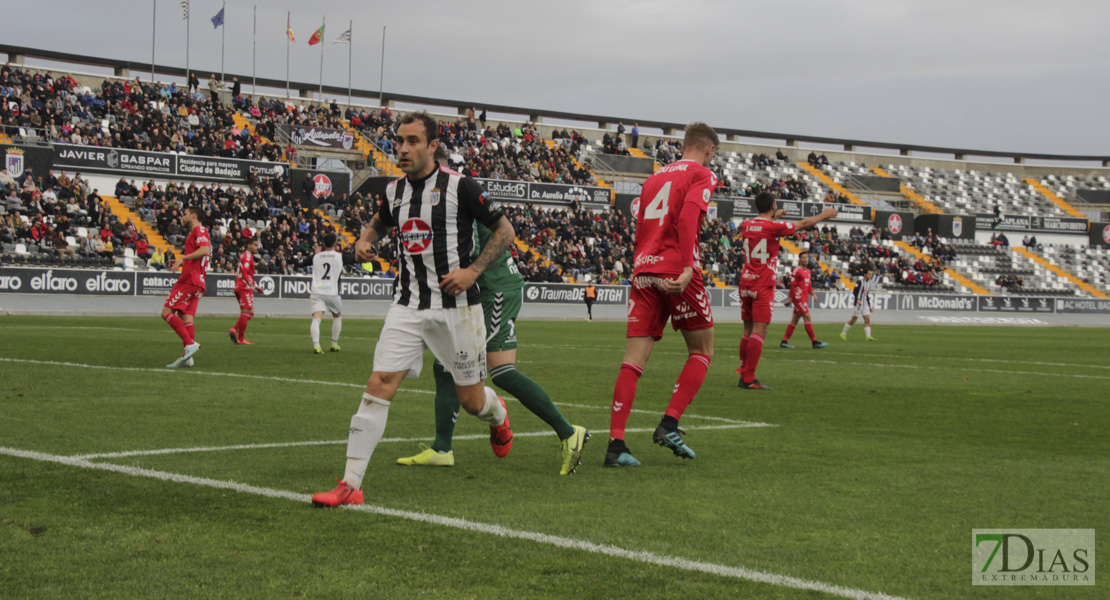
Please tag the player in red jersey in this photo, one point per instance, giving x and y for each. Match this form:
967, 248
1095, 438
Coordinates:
181, 305
801, 288
757, 279
245, 287
667, 284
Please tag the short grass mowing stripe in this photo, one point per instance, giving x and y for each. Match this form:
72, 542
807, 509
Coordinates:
641, 556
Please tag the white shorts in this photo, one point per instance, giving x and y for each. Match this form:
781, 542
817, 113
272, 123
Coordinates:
456, 336
332, 304
863, 309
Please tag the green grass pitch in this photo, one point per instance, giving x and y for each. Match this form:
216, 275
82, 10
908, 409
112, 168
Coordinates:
878, 460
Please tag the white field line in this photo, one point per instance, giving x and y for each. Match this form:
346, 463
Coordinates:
319, 382
640, 556
955, 368
617, 348
516, 434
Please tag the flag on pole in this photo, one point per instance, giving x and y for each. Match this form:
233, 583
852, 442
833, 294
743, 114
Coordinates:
345, 38
316, 37
185, 9
289, 31
218, 19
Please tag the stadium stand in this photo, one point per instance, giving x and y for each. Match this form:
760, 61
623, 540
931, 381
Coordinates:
49, 222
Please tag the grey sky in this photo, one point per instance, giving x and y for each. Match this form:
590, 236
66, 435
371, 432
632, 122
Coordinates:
1014, 75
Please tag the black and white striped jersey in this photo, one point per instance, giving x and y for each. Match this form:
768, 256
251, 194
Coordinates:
434, 220
864, 288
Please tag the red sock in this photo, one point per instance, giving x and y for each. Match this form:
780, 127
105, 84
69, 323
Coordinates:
179, 327
755, 348
623, 395
241, 325
789, 332
689, 382
743, 352
192, 332
809, 330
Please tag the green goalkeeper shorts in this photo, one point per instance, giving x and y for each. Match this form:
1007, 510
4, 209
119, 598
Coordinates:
501, 309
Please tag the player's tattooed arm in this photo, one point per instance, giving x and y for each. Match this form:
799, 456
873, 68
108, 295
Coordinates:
460, 280
502, 236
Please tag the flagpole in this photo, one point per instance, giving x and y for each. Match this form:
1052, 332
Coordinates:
287, 14
223, 38
350, 45
188, 20
153, 36
254, 52
322, 23
381, 73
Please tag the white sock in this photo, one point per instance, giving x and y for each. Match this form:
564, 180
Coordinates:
492, 413
867, 330
336, 327
846, 328
315, 329
367, 427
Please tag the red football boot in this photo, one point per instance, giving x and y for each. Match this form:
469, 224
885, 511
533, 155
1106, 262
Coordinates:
342, 494
501, 436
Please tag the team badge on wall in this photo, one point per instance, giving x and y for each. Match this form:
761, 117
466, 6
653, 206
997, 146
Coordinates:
14, 162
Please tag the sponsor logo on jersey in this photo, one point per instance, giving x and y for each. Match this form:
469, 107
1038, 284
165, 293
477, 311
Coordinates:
957, 227
323, 186
705, 194
14, 162
416, 236
894, 224
648, 259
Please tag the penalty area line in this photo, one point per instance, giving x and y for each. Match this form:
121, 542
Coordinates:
482, 436
641, 556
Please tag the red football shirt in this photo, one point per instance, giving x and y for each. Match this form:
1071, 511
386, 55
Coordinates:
761, 250
673, 203
192, 271
244, 276
801, 287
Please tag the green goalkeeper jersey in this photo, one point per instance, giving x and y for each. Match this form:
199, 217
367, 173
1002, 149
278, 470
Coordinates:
502, 274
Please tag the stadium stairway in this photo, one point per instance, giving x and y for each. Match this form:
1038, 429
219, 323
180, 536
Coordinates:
825, 268
911, 195
381, 162
125, 214
949, 271
1058, 201
600, 182
4, 139
836, 187
1083, 285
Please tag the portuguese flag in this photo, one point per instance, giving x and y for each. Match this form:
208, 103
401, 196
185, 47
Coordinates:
317, 37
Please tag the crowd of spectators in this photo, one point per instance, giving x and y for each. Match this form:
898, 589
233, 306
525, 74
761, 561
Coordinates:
134, 114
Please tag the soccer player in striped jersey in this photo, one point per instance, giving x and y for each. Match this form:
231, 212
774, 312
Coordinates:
501, 290
867, 285
801, 288
436, 302
757, 279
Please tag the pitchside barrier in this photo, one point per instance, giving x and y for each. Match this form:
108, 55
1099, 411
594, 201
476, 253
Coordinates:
92, 282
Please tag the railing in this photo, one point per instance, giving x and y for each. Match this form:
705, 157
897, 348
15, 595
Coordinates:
25, 134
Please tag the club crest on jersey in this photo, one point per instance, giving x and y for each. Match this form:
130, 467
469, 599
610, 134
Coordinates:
416, 236
14, 162
434, 198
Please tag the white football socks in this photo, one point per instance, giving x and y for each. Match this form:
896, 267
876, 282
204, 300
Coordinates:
367, 427
492, 413
336, 327
315, 330
846, 328
867, 330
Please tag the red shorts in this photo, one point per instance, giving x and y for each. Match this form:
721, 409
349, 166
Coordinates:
801, 309
246, 300
649, 308
757, 303
184, 297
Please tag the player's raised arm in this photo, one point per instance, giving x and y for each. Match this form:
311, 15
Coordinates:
808, 222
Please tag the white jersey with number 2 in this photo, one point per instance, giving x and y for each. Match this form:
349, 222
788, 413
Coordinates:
326, 269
